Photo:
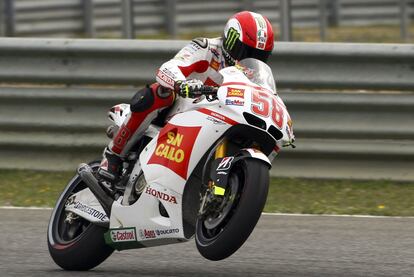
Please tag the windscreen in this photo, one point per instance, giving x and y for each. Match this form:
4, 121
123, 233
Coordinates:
258, 72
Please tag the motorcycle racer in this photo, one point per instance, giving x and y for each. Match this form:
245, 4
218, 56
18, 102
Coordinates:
246, 35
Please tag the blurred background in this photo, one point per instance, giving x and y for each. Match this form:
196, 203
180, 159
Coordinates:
295, 20
352, 104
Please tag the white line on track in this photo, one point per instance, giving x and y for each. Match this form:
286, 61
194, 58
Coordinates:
339, 215
271, 214
24, 208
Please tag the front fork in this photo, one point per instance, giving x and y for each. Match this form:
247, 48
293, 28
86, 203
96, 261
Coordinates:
220, 153
221, 150
212, 189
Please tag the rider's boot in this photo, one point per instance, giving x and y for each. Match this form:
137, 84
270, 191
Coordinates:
110, 168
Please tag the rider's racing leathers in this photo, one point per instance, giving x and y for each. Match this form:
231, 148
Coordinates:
201, 59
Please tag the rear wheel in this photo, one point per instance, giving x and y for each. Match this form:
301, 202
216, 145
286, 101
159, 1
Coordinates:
223, 229
75, 243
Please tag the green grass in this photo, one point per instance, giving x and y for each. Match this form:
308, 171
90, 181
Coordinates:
312, 196
33, 188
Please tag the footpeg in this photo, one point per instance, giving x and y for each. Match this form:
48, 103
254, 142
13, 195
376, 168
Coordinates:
86, 174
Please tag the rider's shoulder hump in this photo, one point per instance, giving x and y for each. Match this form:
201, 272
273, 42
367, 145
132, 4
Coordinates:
202, 42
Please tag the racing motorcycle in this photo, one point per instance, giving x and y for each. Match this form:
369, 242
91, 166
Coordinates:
204, 173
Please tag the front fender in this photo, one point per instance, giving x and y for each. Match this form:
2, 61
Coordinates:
256, 154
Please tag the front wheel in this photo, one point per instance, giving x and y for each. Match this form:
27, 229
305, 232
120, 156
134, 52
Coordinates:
219, 233
75, 243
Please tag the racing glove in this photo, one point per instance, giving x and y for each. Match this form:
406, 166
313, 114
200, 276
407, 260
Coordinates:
189, 88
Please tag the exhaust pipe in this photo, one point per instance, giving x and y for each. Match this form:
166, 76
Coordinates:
86, 174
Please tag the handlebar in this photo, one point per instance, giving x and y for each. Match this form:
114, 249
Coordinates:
209, 90
204, 90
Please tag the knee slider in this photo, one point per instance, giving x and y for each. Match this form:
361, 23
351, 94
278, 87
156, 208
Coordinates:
142, 100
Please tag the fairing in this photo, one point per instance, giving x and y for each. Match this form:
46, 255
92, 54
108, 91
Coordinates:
193, 127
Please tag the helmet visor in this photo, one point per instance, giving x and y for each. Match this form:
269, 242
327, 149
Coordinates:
241, 51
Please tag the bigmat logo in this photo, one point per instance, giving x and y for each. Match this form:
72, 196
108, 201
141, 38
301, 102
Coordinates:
174, 147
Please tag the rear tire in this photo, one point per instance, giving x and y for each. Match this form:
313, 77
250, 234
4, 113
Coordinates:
76, 245
219, 237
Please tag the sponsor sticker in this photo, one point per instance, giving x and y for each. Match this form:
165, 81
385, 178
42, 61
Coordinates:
215, 52
166, 232
234, 102
163, 76
193, 47
168, 72
218, 116
161, 195
123, 235
232, 37
90, 211
261, 36
215, 121
235, 92
174, 147
71, 200
147, 234
261, 32
214, 64
225, 163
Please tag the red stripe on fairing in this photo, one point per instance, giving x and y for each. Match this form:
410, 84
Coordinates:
199, 67
249, 35
218, 116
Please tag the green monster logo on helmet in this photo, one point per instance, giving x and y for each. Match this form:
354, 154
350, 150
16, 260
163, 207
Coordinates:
232, 36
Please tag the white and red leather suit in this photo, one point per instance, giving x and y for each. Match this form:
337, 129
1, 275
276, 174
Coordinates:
201, 59
246, 35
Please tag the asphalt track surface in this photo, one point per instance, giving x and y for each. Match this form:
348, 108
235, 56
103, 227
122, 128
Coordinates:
281, 245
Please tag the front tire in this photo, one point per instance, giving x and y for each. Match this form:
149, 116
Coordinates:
75, 243
221, 234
